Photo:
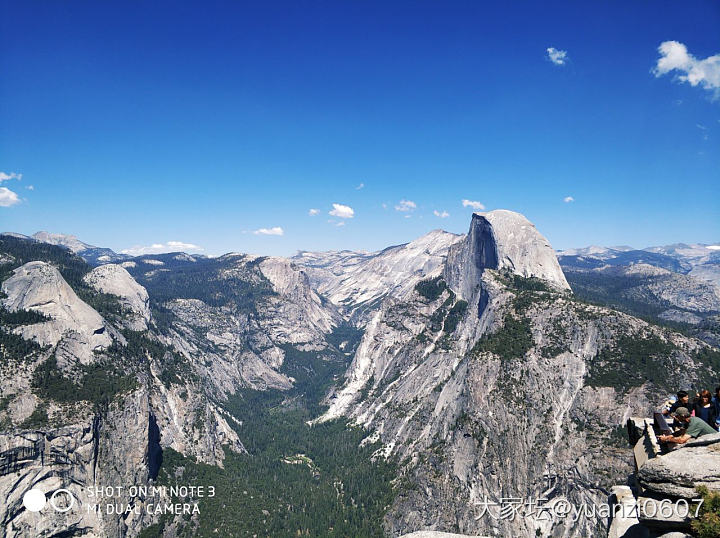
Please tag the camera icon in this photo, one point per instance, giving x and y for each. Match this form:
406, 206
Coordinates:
61, 500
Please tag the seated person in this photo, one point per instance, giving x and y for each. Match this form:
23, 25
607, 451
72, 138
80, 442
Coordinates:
694, 427
683, 400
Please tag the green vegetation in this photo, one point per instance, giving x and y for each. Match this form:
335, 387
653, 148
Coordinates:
631, 361
345, 333
97, 383
447, 316
16, 348
707, 524
343, 493
454, 316
513, 340
556, 340
200, 280
522, 283
619, 436
611, 290
12, 346
431, 289
313, 374
470, 427
72, 267
710, 357
21, 317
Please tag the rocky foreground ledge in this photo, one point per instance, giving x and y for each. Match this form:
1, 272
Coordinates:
665, 484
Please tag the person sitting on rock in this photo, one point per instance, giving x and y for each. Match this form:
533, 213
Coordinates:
705, 409
683, 400
694, 427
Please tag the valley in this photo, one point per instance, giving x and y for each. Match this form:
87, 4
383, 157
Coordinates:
340, 393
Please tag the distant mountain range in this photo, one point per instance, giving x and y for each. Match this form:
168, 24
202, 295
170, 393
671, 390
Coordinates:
471, 366
699, 260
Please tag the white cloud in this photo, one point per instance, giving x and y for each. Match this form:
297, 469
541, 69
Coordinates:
474, 204
405, 205
8, 197
713, 247
341, 223
12, 175
342, 211
275, 230
183, 246
362, 185
442, 215
30, 187
674, 56
558, 57
568, 199
160, 248
314, 212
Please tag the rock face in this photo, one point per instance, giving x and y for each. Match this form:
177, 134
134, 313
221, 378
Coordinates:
654, 284
102, 451
296, 300
91, 254
245, 345
504, 239
486, 390
69, 241
676, 473
115, 280
40, 287
477, 371
662, 284
357, 282
71, 426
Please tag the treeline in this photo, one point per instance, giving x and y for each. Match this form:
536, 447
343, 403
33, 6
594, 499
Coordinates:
199, 280
342, 493
98, 383
21, 317
632, 360
14, 347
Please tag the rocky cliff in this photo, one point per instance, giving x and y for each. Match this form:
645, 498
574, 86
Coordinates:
478, 373
488, 380
89, 399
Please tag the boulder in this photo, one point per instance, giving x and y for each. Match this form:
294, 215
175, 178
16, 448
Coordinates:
115, 280
677, 473
40, 287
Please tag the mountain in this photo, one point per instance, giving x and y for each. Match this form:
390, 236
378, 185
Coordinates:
489, 379
676, 285
90, 387
699, 260
91, 254
357, 282
68, 241
332, 393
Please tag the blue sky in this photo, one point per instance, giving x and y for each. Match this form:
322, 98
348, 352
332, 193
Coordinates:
204, 122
